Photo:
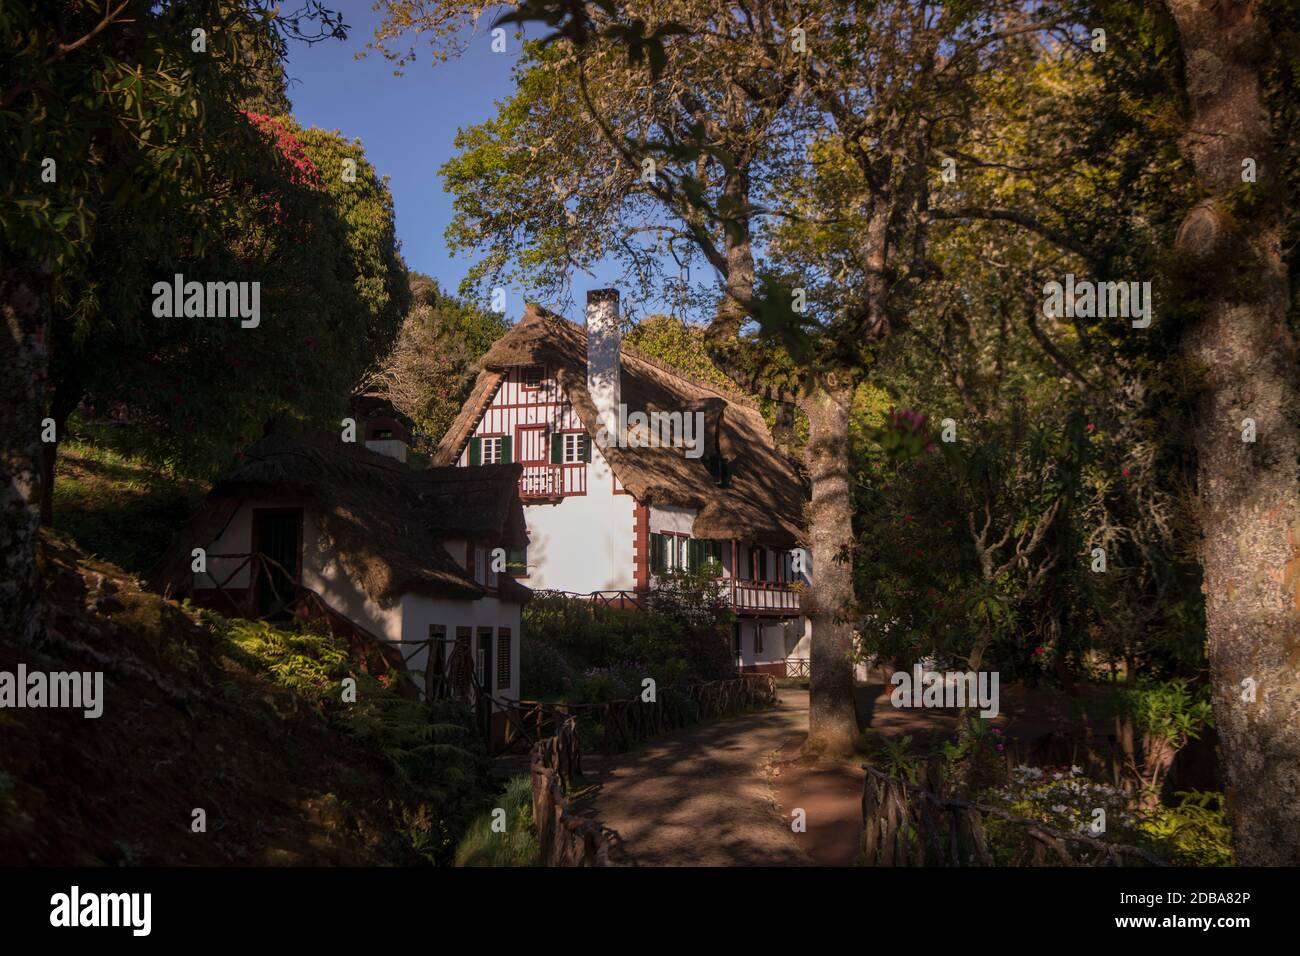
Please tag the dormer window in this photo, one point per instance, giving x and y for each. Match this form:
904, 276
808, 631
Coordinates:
718, 469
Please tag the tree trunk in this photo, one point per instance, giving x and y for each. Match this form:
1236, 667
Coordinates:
22, 398
832, 722
1250, 514
61, 405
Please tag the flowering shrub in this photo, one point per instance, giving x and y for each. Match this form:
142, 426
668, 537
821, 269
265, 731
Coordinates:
302, 171
1193, 833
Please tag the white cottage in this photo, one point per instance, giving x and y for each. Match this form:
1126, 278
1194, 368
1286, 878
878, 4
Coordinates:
399, 560
605, 519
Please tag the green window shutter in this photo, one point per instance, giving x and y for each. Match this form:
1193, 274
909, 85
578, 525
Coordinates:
475, 451
695, 553
557, 448
586, 448
658, 554
506, 451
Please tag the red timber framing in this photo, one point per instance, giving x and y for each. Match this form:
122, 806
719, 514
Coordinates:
641, 546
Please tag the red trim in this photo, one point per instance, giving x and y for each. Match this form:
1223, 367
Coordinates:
735, 570
641, 545
519, 444
506, 408
523, 381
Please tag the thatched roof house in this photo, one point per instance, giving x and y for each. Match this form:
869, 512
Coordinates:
386, 522
763, 498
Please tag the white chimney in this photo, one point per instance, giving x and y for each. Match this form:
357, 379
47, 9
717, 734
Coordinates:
602, 355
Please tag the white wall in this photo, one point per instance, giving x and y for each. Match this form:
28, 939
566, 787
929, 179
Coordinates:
237, 538
324, 572
779, 642
584, 543
392, 447
419, 613
671, 519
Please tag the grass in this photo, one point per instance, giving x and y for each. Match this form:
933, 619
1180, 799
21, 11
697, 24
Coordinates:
513, 842
121, 508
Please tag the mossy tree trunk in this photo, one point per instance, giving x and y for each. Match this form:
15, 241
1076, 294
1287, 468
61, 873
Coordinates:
1249, 492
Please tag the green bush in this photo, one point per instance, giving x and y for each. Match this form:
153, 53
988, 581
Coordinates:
1195, 833
583, 652
440, 769
517, 844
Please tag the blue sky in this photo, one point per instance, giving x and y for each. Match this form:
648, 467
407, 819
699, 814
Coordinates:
407, 125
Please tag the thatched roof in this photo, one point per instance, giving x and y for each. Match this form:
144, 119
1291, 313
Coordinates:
385, 521
764, 499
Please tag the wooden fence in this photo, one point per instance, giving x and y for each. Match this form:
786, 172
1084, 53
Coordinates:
622, 723
565, 839
906, 825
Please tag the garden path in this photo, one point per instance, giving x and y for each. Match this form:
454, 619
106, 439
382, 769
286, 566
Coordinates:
700, 796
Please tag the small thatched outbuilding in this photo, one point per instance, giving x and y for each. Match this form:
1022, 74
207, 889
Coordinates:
403, 556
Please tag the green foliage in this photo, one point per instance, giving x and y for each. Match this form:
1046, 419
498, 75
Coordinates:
1194, 833
122, 508
430, 369
897, 759
517, 846
680, 345
439, 767
1172, 711
582, 652
332, 291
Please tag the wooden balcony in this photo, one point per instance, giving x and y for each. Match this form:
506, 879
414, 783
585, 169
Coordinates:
768, 598
552, 482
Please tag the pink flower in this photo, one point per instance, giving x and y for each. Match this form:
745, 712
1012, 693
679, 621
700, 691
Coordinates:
1091, 428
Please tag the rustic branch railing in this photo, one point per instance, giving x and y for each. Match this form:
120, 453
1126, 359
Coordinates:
906, 825
564, 838
619, 599
798, 667
626, 721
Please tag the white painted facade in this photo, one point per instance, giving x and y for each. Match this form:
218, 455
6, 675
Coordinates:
406, 619
582, 540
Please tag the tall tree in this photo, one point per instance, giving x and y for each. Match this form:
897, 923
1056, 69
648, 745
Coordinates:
429, 371
103, 104
1239, 336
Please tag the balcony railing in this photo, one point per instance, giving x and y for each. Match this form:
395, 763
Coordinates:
772, 597
553, 481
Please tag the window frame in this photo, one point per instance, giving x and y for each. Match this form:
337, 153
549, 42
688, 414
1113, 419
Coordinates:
525, 373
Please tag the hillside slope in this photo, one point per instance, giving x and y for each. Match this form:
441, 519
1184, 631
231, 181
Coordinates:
187, 723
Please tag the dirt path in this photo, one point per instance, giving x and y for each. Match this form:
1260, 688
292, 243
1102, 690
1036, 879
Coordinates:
699, 797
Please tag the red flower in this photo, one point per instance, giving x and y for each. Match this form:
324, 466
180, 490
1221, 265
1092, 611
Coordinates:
1125, 472
907, 517
1040, 651
1091, 428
